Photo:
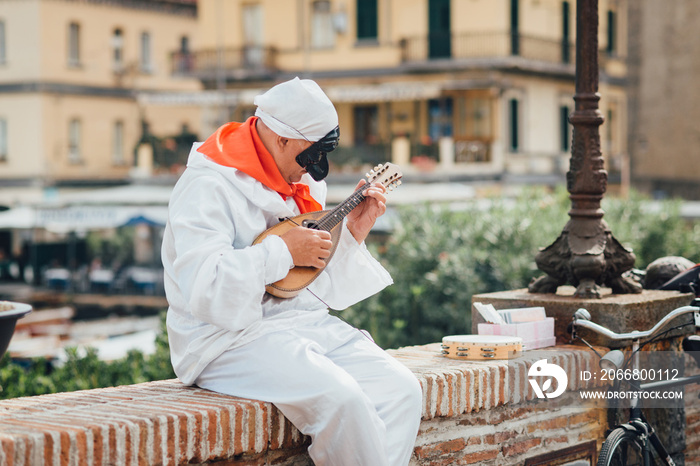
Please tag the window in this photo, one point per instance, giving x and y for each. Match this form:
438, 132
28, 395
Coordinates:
184, 59
74, 137
118, 50
118, 143
473, 126
564, 128
565, 36
514, 131
3, 140
611, 32
184, 45
610, 143
439, 29
514, 27
480, 118
3, 44
74, 44
439, 118
146, 64
322, 32
366, 19
253, 34
365, 125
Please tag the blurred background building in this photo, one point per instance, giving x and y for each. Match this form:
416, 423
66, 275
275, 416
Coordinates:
664, 63
450, 89
98, 92
70, 74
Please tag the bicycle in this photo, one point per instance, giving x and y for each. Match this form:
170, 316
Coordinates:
631, 443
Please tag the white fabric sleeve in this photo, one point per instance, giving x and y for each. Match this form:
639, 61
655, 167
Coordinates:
222, 285
351, 276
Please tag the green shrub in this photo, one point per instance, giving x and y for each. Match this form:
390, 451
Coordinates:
441, 255
653, 230
84, 371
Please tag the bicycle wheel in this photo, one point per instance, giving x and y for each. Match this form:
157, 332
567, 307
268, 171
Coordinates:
621, 448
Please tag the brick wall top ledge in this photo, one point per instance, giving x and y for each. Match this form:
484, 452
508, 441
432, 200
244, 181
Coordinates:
453, 387
166, 422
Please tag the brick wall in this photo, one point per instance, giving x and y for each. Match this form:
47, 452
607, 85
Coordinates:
473, 413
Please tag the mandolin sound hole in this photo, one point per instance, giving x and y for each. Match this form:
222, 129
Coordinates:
310, 224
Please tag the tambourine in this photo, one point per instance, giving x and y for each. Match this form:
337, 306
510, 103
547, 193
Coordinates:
481, 347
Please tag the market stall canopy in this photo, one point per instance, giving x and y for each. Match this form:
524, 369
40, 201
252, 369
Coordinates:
18, 218
81, 218
121, 195
93, 209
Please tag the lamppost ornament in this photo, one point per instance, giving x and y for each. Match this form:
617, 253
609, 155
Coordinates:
586, 254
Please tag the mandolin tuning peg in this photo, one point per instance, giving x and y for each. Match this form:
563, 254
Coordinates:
367, 175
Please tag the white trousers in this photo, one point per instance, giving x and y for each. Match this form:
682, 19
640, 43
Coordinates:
359, 405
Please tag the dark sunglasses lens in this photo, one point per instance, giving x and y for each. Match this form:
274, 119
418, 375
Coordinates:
327, 146
330, 141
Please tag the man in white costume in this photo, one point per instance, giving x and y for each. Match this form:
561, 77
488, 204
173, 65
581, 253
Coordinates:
359, 405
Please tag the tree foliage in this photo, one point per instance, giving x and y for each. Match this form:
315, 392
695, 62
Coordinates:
441, 255
84, 370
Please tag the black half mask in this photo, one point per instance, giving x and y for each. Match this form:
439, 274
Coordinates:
314, 159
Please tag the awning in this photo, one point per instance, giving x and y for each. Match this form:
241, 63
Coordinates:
120, 195
85, 218
229, 97
18, 218
384, 92
92, 209
358, 93
82, 218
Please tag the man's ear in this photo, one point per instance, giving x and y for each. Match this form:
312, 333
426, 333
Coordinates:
282, 141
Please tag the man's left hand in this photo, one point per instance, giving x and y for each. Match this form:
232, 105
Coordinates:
362, 218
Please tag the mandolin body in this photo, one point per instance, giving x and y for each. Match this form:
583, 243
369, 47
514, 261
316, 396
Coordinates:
298, 278
331, 221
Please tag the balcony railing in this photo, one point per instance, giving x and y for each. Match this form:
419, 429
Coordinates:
238, 62
486, 45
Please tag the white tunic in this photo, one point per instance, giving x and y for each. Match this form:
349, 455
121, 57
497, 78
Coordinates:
215, 280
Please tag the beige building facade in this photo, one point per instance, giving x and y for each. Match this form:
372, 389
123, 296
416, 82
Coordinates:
665, 98
70, 76
449, 87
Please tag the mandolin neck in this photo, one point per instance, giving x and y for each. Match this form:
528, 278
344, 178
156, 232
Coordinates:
337, 214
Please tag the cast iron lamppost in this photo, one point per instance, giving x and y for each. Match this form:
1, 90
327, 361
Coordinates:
586, 254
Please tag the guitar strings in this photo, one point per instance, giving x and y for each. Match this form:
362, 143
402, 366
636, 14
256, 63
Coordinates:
330, 220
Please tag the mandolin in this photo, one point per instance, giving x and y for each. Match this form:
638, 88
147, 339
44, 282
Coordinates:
388, 174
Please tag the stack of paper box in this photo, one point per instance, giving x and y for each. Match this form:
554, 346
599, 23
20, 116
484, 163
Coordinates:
529, 323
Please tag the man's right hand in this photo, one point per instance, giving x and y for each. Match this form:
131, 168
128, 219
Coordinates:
308, 247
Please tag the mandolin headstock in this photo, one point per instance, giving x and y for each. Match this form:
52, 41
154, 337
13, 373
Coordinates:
388, 174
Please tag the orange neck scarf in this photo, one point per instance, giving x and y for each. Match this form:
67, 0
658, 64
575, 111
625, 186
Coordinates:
238, 145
